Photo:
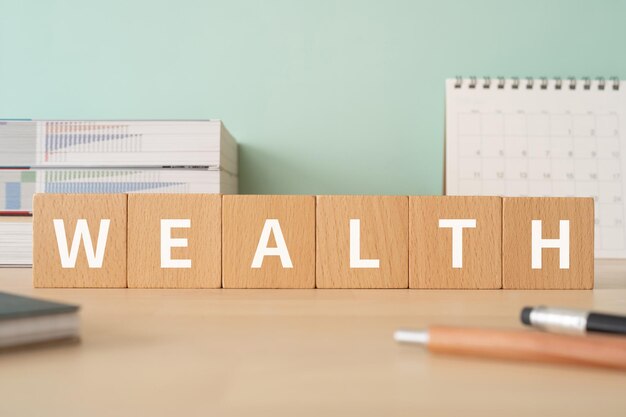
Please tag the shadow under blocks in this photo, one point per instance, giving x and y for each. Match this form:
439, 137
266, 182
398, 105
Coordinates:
326, 241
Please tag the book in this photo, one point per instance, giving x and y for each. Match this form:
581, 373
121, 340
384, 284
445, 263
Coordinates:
17, 186
16, 241
26, 320
72, 156
119, 143
541, 137
106, 156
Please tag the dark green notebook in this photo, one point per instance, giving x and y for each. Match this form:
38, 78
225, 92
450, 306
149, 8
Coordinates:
13, 306
25, 320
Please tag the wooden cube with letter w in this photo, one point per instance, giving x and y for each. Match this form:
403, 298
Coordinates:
79, 240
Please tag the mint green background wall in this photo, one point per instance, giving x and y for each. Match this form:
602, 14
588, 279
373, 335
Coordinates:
323, 96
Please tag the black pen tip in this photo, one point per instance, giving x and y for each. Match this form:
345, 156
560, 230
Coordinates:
526, 315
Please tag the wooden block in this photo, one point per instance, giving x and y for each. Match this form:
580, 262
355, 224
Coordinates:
551, 269
255, 229
379, 254
193, 259
91, 232
455, 242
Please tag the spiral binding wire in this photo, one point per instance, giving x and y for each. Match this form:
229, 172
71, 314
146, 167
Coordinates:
529, 83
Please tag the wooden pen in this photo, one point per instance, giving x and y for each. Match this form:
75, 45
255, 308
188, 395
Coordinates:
590, 350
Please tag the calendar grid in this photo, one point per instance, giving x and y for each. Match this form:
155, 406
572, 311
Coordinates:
549, 138
572, 161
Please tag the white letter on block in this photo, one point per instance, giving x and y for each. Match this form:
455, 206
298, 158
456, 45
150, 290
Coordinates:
457, 226
168, 242
355, 248
94, 260
272, 226
562, 244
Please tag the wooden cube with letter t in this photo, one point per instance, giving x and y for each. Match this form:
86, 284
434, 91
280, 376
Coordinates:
547, 243
268, 241
362, 241
79, 240
174, 241
455, 242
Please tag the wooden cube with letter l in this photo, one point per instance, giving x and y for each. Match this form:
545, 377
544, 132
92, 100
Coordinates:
268, 241
547, 243
174, 241
362, 241
79, 240
455, 242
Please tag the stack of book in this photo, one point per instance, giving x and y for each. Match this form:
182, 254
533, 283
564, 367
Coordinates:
68, 156
16, 241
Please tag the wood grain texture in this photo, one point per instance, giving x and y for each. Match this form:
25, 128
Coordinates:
530, 346
204, 240
384, 236
430, 247
298, 353
47, 269
517, 214
243, 219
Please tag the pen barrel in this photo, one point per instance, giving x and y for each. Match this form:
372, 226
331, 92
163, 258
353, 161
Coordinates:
601, 351
598, 322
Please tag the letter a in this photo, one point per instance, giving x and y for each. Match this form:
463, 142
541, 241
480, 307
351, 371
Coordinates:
272, 226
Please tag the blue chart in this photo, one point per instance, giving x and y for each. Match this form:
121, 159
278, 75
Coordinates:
17, 186
139, 156
127, 144
105, 187
106, 181
61, 136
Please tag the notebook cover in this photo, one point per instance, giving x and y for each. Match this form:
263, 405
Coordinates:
16, 306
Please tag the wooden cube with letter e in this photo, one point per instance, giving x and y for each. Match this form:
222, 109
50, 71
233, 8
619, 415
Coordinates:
174, 241
268, 241
547, 243
455, 242
79, 240
362, 241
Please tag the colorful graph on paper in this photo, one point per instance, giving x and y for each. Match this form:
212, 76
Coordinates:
105, 181
16, 190
18, 186
127, 144
81, 137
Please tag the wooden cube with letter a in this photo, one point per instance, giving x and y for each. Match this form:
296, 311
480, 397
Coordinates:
362, 242
455, 242
268, 241
547, 243
174, 241
79, 240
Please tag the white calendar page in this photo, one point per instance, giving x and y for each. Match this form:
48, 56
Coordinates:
540, 140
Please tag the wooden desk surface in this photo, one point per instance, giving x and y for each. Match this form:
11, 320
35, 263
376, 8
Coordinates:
296, 353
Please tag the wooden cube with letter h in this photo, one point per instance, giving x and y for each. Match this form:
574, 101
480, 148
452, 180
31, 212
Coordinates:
268, 241
362, 241
547, 243
455, 242
174, 241
79, 240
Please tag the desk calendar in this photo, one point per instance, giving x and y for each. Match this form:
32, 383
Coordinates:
541, 137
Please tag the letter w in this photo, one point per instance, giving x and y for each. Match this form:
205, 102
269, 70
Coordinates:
68, 258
